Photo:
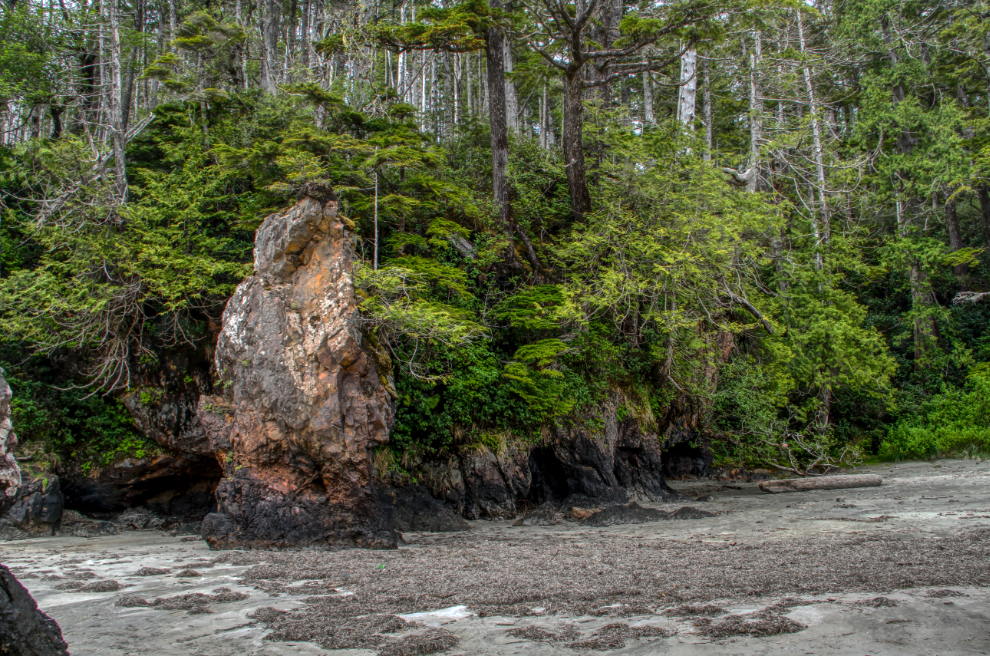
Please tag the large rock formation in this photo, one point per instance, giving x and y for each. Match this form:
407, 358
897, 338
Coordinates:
24, 629
10, 473
303, 401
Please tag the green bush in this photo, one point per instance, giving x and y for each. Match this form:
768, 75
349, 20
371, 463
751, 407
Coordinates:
954, 421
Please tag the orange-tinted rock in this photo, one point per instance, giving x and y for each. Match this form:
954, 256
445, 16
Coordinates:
10, 473
302, 403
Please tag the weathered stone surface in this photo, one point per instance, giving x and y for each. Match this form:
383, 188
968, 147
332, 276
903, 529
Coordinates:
574, 467
631, 513
25, 630
303, 401
412, 509
10, 473
542, 515
37, 508
165, 399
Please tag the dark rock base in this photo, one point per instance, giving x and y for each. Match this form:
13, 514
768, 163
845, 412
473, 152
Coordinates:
412, 509
252, 515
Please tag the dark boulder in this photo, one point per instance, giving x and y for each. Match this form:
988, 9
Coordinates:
542, 515
412, 509
631, 513
24, 629
687, 512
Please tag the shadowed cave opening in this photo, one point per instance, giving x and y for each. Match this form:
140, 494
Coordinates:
686, 459
187, 491
549, 477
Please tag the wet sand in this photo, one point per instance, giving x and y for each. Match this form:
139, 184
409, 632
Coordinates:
899, 569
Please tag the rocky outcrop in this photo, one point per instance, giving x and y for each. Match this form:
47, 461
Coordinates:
303, 399
24, 629
10, 473
36, 511
574, 467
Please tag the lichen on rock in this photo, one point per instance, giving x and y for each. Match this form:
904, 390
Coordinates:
302, 403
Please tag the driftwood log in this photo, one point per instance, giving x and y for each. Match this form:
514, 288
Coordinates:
821, 483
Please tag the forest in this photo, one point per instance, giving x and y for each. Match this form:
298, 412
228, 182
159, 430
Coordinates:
763, 222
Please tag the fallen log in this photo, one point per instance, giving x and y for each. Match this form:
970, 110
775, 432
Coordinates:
821, 483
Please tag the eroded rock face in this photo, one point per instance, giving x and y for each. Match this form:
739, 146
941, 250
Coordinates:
24, 629
303, 402
10, 473
575, 467
179, 485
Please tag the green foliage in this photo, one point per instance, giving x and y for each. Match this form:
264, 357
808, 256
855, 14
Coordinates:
956, 420
28, 69
59, 424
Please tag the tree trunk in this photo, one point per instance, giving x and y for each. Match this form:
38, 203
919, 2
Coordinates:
706, 98
842, 482
241, 48
511, 97
687, 93
271, 21
304, 37
129, 87
116, 114
499, 135
56, 113
984, 193
172, 22
577, 181
816, 140
955, 239
543, 117
756, 111
648, 116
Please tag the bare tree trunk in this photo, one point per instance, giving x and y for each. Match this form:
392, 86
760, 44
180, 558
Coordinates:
816, 137
112, 51
499, 134
648, 117
271, 20
687, 93
706, 99
577, 180
511, 97
242, 53
755, 112
543, 117
455, 84
172, 22
304, 37
129, 87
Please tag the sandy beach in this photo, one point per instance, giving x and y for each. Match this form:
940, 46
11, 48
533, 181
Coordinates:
898, 569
